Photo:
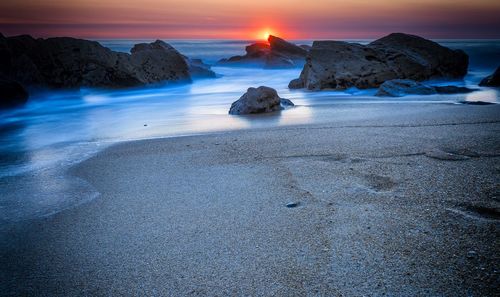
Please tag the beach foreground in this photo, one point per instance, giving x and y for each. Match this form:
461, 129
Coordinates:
402, 202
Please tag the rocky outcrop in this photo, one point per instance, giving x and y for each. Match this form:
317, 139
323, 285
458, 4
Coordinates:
277, 54
73, 63
341, 65
11, 93
403, 87
259, 100
492, 80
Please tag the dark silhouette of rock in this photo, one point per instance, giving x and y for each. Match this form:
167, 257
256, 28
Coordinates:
492, 80
11, 93
198, 69
403, 87
259, 100
286, 48
476, 102
277, 54
453, 90
340, 65
72, 63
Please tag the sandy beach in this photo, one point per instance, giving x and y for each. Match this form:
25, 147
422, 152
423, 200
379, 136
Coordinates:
400, 200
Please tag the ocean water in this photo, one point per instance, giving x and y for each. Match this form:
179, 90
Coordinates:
59, 128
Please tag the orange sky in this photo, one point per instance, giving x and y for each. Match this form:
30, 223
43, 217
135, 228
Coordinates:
233, 19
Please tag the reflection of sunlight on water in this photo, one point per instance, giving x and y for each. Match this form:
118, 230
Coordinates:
485, 95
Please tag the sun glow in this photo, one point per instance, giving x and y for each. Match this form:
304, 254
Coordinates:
264, 34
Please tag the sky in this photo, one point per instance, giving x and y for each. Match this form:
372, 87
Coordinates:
241, 19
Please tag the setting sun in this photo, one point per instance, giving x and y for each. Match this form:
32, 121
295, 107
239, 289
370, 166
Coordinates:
265, 34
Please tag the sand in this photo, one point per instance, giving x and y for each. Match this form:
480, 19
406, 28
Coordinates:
402, 203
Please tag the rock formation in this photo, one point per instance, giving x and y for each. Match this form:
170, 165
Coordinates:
73, 63
403, 87
492, 80
259, 100
11, 93
340, 65
277, 54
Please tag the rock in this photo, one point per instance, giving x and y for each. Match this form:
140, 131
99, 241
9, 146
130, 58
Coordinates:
403, 87
296, 84
11, 93
72, 63
277, 54
259, 100
157, 62
476, 102
286, 48
198, 69
341, 65
286, 102
453, 90
492, 80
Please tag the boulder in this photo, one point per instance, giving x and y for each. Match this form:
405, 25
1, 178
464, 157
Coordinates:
72, 63
278, 53
12, 93
286, 48
157, 62
492, 80
403, 87
259, 100
198, 69
453, 90
341, 65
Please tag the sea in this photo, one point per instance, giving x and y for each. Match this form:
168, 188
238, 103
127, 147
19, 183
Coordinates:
57, 129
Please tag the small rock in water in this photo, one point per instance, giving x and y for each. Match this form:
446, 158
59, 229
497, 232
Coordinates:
292, 204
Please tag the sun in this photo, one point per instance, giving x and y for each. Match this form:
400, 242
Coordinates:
264, 34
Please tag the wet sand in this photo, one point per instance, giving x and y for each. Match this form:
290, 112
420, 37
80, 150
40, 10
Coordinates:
404, 202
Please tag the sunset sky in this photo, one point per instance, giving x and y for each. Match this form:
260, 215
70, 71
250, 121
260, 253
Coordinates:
233, 19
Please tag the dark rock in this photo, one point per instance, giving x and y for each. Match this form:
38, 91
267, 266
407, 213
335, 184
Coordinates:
259, 100
296, 84
453, 90
340, 65
198, 69
11, 93
476, 102
402, 87
73, 63
492, 80
286, 102
286, 48
157, 62
277, 54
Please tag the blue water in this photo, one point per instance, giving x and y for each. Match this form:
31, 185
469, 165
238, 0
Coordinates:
58, 128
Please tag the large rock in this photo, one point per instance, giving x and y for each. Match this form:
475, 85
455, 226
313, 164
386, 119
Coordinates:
11, 93
492, 80
277, 54
72, 63
403, 87
259, 100
340, 65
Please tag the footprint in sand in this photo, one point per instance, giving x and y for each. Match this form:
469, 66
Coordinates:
379, 183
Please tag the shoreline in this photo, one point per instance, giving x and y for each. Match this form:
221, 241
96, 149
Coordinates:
402, 202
